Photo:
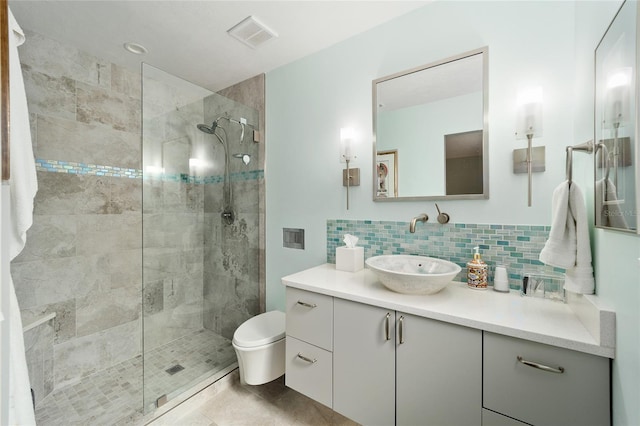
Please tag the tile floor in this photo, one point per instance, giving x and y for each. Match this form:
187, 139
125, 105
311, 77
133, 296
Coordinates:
113, 396
227, 402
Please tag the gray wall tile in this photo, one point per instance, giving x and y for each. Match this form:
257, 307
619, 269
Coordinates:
99, 105
51, 96
70, 140
53, 58
80, 357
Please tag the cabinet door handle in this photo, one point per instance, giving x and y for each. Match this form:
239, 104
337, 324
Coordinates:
309, 360
542, 367
387, 320
308, 305
401, 329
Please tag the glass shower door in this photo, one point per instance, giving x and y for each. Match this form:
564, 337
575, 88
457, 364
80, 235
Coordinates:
198, 277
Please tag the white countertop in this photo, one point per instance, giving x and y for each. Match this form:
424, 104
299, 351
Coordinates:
539, 320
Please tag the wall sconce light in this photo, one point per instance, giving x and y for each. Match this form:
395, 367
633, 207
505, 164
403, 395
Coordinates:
350, 177
529, 125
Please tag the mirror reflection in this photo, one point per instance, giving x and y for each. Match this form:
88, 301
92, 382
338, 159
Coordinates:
616, 149
430, 131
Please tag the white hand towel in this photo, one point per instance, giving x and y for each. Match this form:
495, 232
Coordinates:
23, 181
22, 188
609, 213
568, 245
579, 279
560, 248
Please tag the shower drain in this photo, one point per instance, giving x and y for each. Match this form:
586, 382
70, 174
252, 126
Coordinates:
173, 370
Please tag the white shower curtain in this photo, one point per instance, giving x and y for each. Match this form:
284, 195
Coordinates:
23, 187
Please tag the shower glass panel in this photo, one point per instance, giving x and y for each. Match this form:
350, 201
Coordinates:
200, 232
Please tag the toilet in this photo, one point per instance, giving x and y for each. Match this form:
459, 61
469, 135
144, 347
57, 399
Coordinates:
260, 348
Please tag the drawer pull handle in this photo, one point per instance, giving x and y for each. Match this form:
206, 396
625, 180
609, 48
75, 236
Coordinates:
308, 305
309, 360
542, 367
401, 329
387, 320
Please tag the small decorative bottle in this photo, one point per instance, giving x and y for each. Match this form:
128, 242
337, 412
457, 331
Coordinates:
477, 272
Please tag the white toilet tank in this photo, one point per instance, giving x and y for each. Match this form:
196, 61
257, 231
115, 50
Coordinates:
259, 343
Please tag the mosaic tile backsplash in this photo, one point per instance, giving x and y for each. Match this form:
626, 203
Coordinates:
515, 246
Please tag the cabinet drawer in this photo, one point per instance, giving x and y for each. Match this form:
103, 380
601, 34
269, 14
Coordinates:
310, 317
577, 396
309, 370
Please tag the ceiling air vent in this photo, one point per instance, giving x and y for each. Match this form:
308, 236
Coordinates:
252, 32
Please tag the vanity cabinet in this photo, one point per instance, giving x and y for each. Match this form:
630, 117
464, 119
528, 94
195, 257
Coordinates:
384, 367
395, 368
309, 342
544, 385
364, 362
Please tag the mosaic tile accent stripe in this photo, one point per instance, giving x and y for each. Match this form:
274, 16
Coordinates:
71, 167
515, 246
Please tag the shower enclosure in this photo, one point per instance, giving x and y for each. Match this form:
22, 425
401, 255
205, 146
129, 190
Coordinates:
201, 229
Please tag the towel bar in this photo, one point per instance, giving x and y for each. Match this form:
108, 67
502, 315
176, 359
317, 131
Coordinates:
584, 147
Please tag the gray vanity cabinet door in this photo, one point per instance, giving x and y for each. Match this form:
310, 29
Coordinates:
439, 373
545, 385
363, 363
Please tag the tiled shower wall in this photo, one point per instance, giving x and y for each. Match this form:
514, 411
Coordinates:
83, 254
83, 258
515, 246
232, 252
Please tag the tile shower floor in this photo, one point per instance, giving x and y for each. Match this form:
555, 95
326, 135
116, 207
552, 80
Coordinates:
113, 397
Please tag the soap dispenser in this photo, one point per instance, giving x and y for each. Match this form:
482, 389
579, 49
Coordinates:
477, 272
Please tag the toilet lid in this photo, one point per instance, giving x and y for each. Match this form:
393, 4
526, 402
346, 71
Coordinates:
260, 330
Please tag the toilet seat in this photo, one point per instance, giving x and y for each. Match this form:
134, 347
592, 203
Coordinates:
260, 330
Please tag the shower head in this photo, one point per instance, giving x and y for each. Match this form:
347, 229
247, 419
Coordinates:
208, 129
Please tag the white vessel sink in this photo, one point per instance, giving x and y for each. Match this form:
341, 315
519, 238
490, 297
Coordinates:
413, 274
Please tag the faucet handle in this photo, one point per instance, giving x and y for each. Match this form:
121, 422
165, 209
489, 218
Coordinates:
442, 217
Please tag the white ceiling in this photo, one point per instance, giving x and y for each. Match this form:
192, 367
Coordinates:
436, 82
189, 39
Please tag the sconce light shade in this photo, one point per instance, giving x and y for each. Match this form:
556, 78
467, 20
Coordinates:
616, 99
529, 113
347, 142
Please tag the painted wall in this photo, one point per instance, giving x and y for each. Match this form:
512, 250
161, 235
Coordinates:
418, 135
550, 44
308, 101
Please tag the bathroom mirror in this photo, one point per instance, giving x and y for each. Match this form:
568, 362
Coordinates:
616, 123
430, 131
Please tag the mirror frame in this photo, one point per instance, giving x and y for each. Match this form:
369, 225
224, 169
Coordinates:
484, 51
634, 98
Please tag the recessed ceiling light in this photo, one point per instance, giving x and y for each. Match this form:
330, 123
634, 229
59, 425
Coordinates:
135, 48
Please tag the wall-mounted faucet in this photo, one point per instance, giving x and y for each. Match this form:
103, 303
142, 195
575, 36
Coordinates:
422, 218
